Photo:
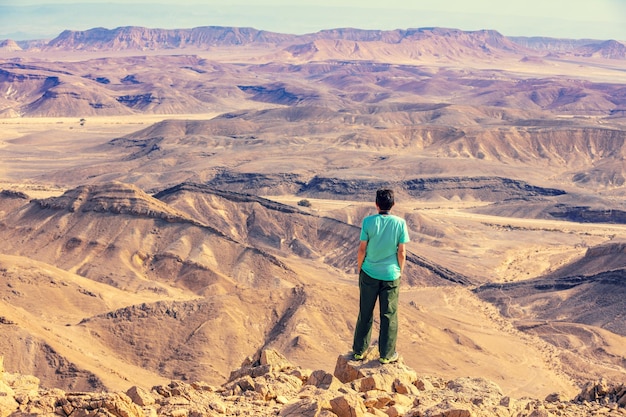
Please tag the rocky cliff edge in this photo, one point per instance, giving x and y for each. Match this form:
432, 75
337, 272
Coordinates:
269, 385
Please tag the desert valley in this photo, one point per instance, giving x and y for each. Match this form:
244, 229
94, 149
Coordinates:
173, 202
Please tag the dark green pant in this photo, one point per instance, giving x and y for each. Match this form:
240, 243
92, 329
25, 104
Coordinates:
386, 292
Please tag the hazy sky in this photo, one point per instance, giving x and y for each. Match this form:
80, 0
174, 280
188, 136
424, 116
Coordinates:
597, 19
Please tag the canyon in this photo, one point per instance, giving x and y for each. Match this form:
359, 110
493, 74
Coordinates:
176, 201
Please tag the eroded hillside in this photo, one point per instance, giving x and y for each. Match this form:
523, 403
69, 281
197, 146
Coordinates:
211, 276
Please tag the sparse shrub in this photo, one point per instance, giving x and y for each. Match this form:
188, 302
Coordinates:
304, 203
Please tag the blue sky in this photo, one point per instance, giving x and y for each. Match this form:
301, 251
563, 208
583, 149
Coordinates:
578, 19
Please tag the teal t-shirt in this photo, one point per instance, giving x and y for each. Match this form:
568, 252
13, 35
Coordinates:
383, 233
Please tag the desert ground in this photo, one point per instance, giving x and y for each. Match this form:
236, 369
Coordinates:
454, 333
141, 244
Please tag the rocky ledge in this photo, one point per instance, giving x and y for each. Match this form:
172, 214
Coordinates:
269, 385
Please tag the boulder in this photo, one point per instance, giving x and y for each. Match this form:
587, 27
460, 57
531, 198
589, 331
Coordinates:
423, 384
88, 404
307, 407
555, 397
269, 385
602, 390
380, 382
349, 405
275, 360
7, 401
347, 369
377, 399
370, 374
451, 409
140, 396
397, 410
25, 387
324, 380
266, 361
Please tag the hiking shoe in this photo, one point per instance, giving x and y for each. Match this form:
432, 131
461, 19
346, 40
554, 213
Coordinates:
392, 358
358, 356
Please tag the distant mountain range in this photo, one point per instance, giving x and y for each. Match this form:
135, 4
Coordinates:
141, 38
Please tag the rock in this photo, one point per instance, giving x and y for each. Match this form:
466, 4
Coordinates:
555, 397
324, 380
540, 413
347, 370
378, 382
282, 399
506, 401
450, 409
179, 412
387, 378
402, 387
25, 387
203, 386
377, 413
246, 383
397, 410
264, 390
286, 385
307, 407
219, 407
403, 400
269, 385
275, 360
140, 396
7, 403
423, 384
602, 391
122, 406
377, 399
86, 404
302, 374
43, 403
370, 374
350, 405
589, 391
264, 362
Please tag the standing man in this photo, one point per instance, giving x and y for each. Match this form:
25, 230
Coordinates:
381, 260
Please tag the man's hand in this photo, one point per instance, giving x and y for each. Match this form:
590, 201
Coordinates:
361, 254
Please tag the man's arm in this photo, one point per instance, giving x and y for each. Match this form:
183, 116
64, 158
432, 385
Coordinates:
401, 256
361, 254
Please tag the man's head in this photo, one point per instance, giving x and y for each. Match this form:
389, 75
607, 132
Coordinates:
384, 199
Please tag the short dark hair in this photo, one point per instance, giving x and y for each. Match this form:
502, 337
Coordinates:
385, 199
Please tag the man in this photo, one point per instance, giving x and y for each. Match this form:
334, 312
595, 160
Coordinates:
381, 258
